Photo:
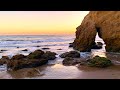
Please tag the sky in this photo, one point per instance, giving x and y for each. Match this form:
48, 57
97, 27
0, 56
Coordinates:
40, 22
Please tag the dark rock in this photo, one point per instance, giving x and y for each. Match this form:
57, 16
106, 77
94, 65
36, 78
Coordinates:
49, 55
73, 54
70, 44
99, 62
99, 43
36, 54
18, 57
18, 47
59, 49
37, 46
68, 61
19, 64
3, 50
45, 48
96, 47
25, 50
5, 58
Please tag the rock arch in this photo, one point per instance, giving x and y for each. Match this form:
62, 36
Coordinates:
106, 23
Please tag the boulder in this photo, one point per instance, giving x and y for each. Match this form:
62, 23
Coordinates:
106, 24
68, 61
18, 57
36, 54
73, 54
49, 55
19, 64
99, 62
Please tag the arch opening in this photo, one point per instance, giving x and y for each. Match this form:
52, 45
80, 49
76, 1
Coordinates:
99, 44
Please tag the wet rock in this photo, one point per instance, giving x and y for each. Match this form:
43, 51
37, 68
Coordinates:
99, 62
25, 50
45, 48
18, 47
49, 55
99, 43
59, 49
19, 64
36, 54
70, 44
99, 22
96, 47
68, 61
37, 46
3, 50
18, 57
5, 58
73, 54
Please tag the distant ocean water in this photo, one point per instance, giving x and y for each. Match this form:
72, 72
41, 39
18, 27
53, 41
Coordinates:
14, 44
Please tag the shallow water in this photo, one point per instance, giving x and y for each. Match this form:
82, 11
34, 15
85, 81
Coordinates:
54, 69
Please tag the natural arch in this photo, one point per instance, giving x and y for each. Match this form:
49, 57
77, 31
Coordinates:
106, 23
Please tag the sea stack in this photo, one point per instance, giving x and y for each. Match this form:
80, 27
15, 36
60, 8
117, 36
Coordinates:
106, 23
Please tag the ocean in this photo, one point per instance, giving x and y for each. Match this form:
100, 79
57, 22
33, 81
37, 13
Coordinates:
14, 44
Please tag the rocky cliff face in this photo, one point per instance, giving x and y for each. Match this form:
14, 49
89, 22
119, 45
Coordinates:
106, 23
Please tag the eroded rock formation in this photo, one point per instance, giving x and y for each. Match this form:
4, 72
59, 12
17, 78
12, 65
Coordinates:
106, 23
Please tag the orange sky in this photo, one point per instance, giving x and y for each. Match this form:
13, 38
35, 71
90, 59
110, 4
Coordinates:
40, 22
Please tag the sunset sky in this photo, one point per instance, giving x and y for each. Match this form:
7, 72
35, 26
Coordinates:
40, 22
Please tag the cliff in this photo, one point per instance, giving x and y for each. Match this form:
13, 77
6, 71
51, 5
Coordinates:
106, 23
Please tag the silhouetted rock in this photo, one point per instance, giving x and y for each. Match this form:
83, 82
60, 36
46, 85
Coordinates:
73, 54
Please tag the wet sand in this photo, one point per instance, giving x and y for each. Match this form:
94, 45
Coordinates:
59, 71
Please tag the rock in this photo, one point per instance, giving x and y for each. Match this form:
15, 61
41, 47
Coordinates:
99, 43
36, 54
73, 54
59, 49
25, 50
19, 64
96, 47
70, 44
3, 62
37, 46
45, 48
49, 55
3, 50
99, 62
5, 58
68, 61
18, 47
106, 24
18, 57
